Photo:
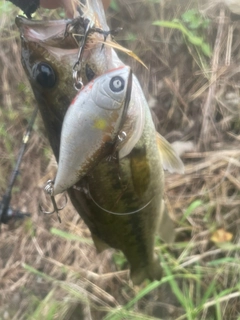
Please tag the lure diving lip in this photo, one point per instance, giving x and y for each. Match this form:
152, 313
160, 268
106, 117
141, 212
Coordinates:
91, 126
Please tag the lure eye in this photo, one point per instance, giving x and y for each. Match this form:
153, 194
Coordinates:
117, 84
44, 75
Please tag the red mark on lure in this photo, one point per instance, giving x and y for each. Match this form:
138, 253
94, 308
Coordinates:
90, 85
73, 101
84, 88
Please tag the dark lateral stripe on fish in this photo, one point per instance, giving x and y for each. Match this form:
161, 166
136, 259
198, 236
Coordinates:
137, 231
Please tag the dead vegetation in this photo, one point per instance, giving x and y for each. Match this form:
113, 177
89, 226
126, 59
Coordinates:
194, 98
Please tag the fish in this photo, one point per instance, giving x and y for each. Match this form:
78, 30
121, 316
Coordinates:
91, 126
121, 198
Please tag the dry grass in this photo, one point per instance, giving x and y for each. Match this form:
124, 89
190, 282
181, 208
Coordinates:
195, 99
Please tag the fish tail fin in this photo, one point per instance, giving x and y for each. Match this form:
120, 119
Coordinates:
151, 271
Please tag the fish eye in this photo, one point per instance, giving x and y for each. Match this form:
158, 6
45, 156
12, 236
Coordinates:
44, 75
117, 84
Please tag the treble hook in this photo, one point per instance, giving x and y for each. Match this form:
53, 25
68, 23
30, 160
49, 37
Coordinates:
49, 191
78, 84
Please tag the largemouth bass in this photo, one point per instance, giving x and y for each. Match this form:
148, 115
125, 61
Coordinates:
120, 199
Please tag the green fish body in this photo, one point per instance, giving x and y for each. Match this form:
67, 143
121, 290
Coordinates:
120, 199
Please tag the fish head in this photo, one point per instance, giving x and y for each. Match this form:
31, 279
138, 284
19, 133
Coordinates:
47, 57
49, 52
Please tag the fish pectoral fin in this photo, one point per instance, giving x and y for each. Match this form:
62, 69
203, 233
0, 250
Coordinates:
165, 229
99, 244
170, 159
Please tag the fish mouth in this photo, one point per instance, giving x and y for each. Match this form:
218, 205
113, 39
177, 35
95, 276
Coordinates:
43, 30
50, 34
54, 33
39, 30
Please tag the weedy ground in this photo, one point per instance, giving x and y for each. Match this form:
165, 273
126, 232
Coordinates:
50, 270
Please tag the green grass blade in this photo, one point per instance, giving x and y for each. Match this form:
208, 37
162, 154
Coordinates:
69, 236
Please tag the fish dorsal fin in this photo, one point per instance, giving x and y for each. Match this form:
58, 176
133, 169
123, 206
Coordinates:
170, 159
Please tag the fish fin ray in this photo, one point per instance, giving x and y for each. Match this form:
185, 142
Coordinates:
170, 160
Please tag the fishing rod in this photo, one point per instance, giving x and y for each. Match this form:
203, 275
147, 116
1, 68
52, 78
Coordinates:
7, 212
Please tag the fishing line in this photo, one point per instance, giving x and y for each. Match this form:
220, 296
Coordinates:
118, 213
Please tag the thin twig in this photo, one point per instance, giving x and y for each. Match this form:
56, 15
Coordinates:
222, 299
209, 108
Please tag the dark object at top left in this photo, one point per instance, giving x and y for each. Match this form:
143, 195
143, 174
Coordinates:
27, 6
